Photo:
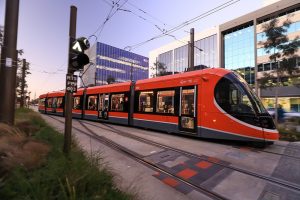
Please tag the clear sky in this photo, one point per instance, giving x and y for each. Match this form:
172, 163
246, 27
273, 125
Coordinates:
44, 28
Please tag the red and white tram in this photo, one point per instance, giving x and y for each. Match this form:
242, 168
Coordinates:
210, 103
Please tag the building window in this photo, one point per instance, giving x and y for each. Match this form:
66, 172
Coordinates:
77, 104
167, 60
146, 101
92, 102
239, 51
165, 101
267, 66
117, 102
260, 68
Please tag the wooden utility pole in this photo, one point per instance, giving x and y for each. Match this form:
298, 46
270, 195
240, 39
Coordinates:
69, 95
9, 63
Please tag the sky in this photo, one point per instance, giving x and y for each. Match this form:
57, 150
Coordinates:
43, 29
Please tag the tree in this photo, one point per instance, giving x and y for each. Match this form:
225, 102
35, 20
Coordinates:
282, 55
160, 69
110, 79
21, 83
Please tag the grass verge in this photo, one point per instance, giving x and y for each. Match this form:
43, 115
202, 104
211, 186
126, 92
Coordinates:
56, 176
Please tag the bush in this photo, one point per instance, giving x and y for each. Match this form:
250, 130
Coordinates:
60, 177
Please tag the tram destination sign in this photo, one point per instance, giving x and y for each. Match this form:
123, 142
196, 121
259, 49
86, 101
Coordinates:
71, 83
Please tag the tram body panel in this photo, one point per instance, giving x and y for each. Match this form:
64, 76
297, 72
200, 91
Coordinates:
158, 122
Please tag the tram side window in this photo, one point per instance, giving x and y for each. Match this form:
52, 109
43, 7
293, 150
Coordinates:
60, 102
49, 102
165, 101
76, 103
118, 102
101, 102
42, 102
146, 101
187, 102
92, 102
54, 103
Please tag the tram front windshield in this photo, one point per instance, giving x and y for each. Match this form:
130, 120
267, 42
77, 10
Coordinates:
234, 96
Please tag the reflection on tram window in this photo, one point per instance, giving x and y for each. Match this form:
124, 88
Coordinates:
232, 98
49, 102
92, 102
76, 104
187, 102
54, 103
165, 101
60, 102
103, 102
146, 101
117, 102
187, 122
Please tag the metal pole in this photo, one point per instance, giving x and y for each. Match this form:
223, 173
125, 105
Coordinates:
131, 70
96, 77
9, 63
192, 43
23, 84
69, 95
156, 63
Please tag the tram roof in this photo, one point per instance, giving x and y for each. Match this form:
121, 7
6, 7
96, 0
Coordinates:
182, 79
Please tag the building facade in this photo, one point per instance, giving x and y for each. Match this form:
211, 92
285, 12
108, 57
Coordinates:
112, 63
237, 45
174, 56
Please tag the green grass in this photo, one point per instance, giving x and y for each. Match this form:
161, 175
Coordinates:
75, 177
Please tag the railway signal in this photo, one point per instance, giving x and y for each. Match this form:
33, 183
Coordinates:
77, 56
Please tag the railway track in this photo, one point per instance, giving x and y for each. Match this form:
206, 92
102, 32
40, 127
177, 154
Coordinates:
279, 182
140, 159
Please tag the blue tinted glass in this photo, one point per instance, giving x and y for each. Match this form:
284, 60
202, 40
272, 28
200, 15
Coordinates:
239, 49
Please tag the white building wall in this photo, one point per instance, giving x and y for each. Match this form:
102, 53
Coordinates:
179, 43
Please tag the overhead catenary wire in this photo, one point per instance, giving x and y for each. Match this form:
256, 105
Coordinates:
184, 24
111, 13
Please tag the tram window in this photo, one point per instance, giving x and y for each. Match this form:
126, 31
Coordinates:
146, 101
165, 101
117, 102
77, 104
60, 102
232, 98
42, 102
54, 103
101, 102
49, 102
187, 102
92, 102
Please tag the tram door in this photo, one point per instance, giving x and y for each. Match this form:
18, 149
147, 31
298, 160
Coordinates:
187, 108
103, 106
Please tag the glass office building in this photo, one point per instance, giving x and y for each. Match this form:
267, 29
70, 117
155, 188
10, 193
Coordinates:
176, 60
114, 63
239, 51
237, 45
